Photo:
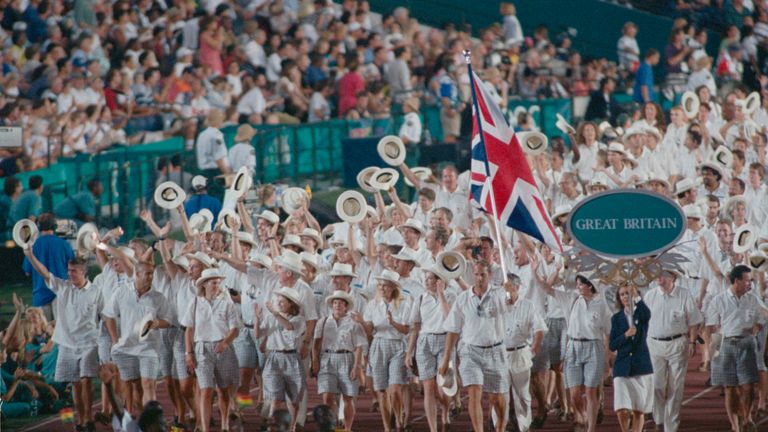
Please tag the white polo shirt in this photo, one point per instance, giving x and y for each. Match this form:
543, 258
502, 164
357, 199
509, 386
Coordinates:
428, 311
522, 322
376, 313
130, 309
479, 320
278, 337
77, 310
269, 280
342, 335
735, 316
586, 319
210, 148
212, 320
672, 313
411, 128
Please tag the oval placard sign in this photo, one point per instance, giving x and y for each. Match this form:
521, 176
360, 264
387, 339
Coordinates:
626, 223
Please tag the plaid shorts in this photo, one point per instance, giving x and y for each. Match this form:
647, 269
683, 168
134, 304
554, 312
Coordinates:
165, 352
761, 344
540, 361
104, 345
554, 340
284, 376
245, 349
386, 363
334, 374
73, 364
737, 363
215, 370
584, 363
429, 354
133, 367
179, 368
486, 367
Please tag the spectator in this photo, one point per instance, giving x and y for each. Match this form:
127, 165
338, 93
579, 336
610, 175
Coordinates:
643, 89
398, 74
628, 49
242, 153
602, 104
512, 30
210, 148
319, 108
29, 205
54, 253
201, 199
12, 189
349, 86
83, 206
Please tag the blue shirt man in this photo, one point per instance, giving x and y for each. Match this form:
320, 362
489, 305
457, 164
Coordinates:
82, 206
28, 205
643, 89
54, 253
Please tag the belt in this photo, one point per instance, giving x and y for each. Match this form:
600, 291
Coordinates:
338, 352
285, 351
250, 326
671, 338
516, 348
487, 346
735, 337
438, 334
581, 339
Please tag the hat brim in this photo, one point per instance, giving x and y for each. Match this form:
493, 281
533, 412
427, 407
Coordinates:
242, 182
744, 239
533, 143
454, 271
347, 298
292, 199
378, 181
169, 187
422, 173
143, 329
84, 240
363, 178
454, 387
385, 144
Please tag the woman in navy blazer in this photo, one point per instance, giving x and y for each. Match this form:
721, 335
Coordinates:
632, 369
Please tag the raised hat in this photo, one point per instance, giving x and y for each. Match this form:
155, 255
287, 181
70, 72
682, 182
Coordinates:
723, 156
351, 206
384, 179
169, 195
422, 173
227, 219
690, 104
24, 233
292, 199
87, 238
364, 177
758, 261
744, 238
533, 142
391, 150
451, 263
242, 182
563, 125
751, 103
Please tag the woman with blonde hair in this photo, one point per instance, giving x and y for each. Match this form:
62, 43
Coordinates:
585, 147
386, 318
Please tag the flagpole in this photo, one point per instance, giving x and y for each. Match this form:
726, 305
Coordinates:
468, 59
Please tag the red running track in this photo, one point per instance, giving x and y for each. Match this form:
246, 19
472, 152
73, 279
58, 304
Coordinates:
703, 410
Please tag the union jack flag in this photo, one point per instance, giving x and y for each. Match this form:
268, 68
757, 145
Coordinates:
501, 173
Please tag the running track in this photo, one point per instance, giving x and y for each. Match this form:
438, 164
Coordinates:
703, 410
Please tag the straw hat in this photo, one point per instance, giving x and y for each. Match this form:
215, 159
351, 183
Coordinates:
751, 103
422, 173
262, 260
169, 195
268, 216
290, 294
384, 179
181, 261
291, 261
413, 224
143, 328
343, 295
684, 185
437, 271
407, 254
723, 156
413, 102
563, 125
351, 206
313, 234
693, 211
86, 238
202, 257
227, 218
758, 261
246, 237
451, 263
242, 183
341, 269
364, 177
690, 104
208, 274
292, 199
244, 133
744, 238
389, 276
533, 142
292, 240
448, 382
391, 150
561, 210
310, 258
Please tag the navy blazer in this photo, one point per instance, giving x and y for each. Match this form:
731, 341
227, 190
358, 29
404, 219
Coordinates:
632, 357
